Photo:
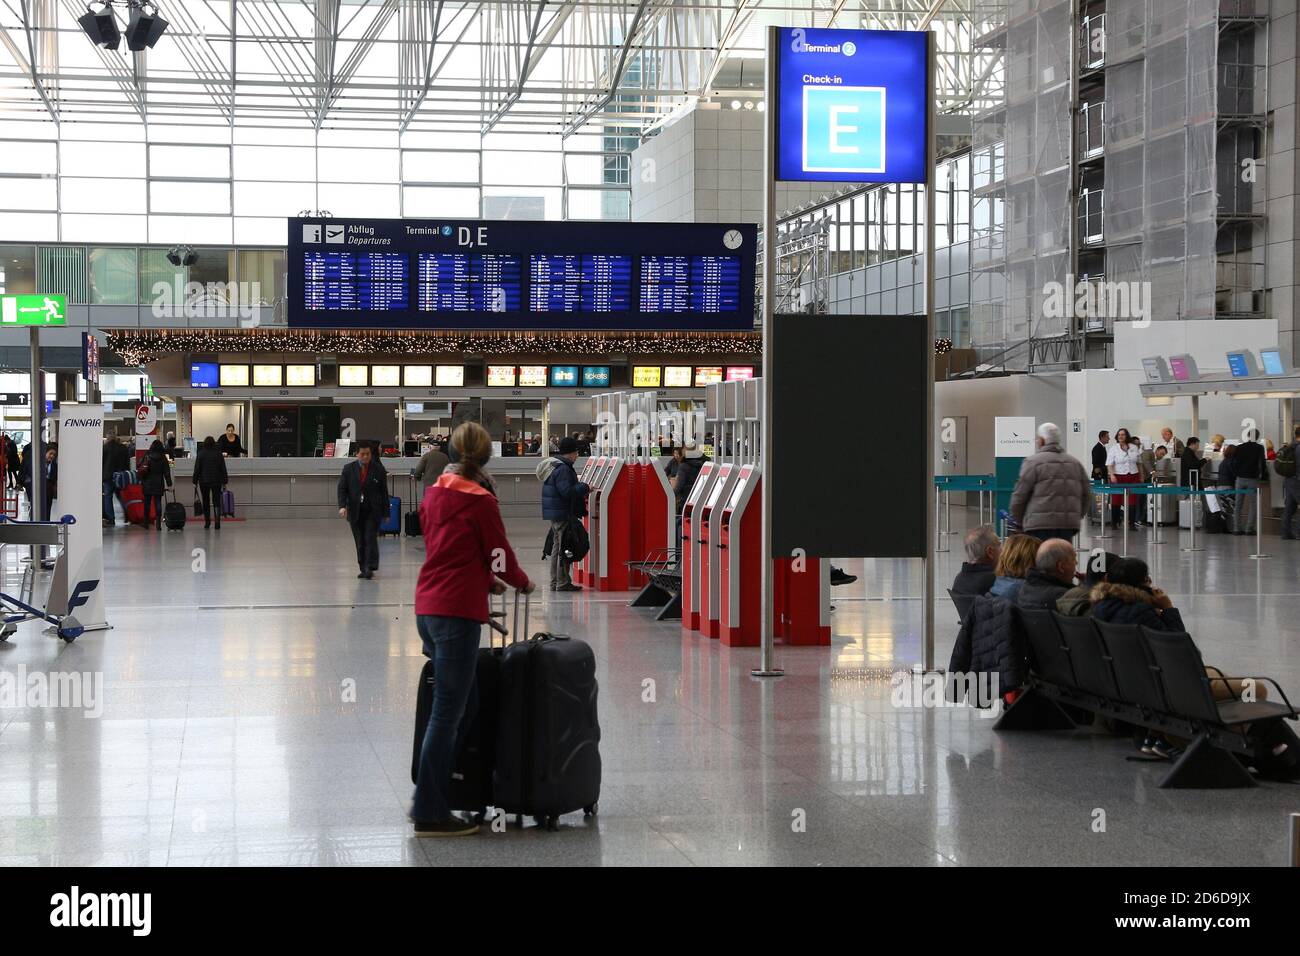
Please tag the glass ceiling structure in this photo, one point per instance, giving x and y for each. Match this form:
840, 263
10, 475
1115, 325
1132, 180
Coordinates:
419, 65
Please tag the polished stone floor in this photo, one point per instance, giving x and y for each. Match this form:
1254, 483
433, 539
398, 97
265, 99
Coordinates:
257, 709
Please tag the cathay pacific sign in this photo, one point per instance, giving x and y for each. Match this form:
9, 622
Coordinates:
852, 105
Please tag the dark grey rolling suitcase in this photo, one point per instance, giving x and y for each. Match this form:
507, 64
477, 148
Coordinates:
548, 738
471, 780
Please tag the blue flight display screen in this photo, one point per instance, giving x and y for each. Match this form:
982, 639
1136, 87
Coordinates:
355, 281
204, 375
1237, 365
1272, 360
493, 275
468, 282
595, 283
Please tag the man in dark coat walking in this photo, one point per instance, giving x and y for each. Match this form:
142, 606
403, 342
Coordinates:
363, 501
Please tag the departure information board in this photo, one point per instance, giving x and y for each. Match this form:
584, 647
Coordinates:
458, 274
465, 282
355, 281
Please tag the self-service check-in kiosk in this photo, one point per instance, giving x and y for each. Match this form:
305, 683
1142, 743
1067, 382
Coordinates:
609, 504
740, 547
692, 511
588, 477
725, 440
654, 521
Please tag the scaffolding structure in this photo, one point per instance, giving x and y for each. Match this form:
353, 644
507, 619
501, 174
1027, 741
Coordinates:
1126, 156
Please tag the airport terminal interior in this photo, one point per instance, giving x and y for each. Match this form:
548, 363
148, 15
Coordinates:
780, 337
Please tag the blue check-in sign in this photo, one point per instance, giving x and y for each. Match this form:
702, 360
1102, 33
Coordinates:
852, 106
844, 129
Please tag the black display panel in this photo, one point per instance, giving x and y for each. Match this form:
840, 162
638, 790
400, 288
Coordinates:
470, 274
872, 503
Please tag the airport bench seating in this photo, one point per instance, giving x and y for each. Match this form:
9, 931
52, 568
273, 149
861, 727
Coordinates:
1153, 679
663, 589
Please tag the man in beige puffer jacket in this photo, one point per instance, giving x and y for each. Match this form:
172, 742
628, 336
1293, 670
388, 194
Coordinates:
1053, 492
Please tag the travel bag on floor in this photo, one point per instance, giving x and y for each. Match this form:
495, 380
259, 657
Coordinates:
133, 503
471, 780
548, 741
393, 523
411, 523
174, 514
227, 503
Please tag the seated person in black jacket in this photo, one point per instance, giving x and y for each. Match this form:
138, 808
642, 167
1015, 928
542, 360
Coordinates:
1077, 602
1054, 570
978, 570
991, 641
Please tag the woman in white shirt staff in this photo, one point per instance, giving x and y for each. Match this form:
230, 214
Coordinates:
1123, 468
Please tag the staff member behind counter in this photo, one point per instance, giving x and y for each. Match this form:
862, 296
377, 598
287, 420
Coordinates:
229, 444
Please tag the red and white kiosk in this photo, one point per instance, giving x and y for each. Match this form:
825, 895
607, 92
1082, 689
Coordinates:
726, 439
740, 545
694, 575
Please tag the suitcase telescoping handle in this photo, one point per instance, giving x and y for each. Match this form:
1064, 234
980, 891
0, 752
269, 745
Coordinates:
497, 619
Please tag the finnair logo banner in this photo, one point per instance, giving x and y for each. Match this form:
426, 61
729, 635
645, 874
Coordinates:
852, 106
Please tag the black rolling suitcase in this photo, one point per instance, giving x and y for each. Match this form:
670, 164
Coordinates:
174, 514
471, 780
548, 739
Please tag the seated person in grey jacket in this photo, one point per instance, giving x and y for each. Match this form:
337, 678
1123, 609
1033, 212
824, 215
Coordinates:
1052, 575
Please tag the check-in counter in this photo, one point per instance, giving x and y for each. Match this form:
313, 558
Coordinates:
306, 488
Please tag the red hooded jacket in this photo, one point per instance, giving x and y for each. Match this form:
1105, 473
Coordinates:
465, 547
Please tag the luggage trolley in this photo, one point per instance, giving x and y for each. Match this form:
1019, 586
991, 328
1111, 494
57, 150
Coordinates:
16, 610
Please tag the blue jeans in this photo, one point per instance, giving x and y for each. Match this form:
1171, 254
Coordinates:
108, 503
452, 644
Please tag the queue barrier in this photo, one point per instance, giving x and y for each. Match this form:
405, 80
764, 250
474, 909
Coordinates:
945, 485
1102, 487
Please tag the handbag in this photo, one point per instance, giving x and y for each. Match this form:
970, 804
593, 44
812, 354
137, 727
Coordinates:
198, 503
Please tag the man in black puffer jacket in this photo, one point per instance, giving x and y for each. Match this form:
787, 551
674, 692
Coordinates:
991, 640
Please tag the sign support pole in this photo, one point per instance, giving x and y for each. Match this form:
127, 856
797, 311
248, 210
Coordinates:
767, 625
37, 463
931, 138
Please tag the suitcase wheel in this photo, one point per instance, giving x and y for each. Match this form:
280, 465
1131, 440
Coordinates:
589, 811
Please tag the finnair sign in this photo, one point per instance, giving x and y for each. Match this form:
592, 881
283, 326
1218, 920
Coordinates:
852, 105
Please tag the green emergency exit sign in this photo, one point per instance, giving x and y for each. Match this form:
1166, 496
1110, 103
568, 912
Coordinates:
33, 310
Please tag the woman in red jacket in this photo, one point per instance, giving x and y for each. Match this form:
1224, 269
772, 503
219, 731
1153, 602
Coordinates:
467, 556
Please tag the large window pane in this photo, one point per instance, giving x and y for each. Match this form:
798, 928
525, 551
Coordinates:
158, 277
345, 199
600, 204
529, 169
84, 194
101, 159
93, 227
18, 157
63, 271
269, 199
518, 202
18, 269
440, 201
28, 192
112, 275
261, 276
190, 162
338, 165
428, 166
275, 162
213, 265
166, 197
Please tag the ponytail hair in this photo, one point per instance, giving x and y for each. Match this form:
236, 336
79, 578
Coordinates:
473, 449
